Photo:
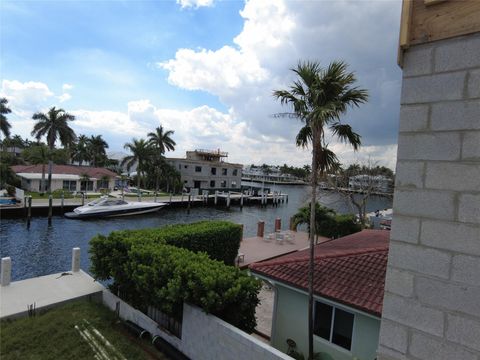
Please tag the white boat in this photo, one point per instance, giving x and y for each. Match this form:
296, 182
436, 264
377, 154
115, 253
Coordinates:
108, 207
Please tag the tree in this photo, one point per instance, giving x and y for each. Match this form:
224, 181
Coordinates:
80, 150
96, 148
318, 98
160, 141
141, 152
38, 154
4, 124
53, 125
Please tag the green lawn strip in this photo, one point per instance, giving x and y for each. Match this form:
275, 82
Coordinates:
52, 335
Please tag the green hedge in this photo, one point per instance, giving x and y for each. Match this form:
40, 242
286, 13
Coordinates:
219, 239
165, 277
156, 267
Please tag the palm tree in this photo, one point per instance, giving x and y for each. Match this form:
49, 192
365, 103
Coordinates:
4, 124
97, 149
53, 125
319, 97
38, 154
141, 152
161, 141
80, 150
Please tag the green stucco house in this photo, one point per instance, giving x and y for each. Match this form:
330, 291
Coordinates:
348, 286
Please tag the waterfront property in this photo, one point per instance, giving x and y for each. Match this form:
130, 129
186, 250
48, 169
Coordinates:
66, 177
378, 183
348, 290
207, 170
273, 175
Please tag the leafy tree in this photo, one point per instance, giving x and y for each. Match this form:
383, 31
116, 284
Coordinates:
4, 124
141, 153
319, 97
8, 176
53, 125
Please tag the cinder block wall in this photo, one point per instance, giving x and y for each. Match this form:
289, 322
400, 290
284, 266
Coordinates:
432, 300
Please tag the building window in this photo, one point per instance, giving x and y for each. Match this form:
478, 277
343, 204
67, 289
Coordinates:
70, 185
235, 172
102, 184
179, 167
198, 169
186, 166
86, 185
224, 172
214, 171
212, 183
223, 184
333, 324
234, 184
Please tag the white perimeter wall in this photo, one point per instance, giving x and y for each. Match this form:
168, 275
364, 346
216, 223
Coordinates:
204, 337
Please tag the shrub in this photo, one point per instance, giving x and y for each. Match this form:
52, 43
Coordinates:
165, 277
219, 239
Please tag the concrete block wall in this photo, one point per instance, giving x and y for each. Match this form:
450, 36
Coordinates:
432, 293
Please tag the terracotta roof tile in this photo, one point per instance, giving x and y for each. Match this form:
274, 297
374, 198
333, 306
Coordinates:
350, 270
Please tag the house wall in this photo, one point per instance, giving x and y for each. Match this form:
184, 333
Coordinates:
432, 300
291, 319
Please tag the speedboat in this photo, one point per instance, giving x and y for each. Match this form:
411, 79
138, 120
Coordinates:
108, 207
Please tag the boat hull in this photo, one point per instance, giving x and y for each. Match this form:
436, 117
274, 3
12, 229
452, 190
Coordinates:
113, 213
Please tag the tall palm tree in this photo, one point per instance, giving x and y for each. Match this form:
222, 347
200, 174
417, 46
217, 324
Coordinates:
54, 125
4, 124
162, 142
319, 97
141, 152
97, 148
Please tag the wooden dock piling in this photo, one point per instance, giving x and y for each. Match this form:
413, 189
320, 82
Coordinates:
50, 209
261, 228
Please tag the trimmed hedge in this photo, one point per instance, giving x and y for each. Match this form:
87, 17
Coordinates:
219, 239
165, 277
156, 267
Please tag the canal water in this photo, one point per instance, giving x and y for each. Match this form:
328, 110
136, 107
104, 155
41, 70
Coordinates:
42, 249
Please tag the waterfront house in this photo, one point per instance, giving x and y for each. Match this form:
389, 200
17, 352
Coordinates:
67, 177
377, 183
207, 170
348, 291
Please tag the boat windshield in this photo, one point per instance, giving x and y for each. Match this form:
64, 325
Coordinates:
112, 202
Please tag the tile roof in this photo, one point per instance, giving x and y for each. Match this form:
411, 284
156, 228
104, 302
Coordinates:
349, 270
93, 172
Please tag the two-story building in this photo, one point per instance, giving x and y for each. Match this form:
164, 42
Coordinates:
207, 170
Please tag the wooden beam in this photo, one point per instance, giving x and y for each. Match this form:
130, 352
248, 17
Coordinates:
405, 23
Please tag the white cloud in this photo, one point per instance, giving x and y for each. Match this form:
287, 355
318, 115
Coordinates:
66, 87
275, 36
64, 97
194, 3
26, 97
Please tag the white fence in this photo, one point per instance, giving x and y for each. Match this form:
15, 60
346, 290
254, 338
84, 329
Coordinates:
204, 336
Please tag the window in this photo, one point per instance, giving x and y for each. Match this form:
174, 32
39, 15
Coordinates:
214, 171
223, 184
70, 185
234, 184
86, 185
102, 184
179, 167
235, 172
333, 324
224, 171
198, 169
186, 166
212, 183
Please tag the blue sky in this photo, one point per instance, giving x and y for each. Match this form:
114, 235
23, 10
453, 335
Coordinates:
203, 68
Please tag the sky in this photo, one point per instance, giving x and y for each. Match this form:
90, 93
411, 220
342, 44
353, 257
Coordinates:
205, 69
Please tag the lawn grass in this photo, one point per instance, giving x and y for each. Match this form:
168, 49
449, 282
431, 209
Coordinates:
52, 335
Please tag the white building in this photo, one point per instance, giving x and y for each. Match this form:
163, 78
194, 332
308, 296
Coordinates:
378, 183
207, 170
